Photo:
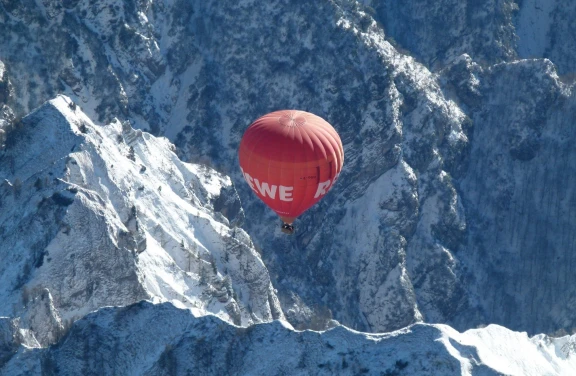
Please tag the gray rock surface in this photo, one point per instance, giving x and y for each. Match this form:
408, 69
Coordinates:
96, 216
547, 29
455, 202
519, 199
436, 32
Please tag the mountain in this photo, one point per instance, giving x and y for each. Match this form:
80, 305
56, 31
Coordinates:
103, 56
81, 210
98, 344
96, 216
454, 205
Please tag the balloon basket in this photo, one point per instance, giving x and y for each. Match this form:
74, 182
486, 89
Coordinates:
287, 228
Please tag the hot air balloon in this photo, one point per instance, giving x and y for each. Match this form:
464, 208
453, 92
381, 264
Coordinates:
290, 159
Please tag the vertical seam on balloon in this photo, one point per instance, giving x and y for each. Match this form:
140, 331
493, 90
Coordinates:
263, 135
305, 130
318, 143
340, 150
294, 175
339, 155
279, 205
290, 205
302, 130
282, 204
326, 127
268, 181
324, 132
252, 152
315, 149
300, 139
296, 210
276, 200
327, 136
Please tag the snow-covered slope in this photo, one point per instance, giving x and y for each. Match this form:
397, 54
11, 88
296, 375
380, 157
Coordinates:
546, 28
184, 344
128, 60
454, 205
94, 216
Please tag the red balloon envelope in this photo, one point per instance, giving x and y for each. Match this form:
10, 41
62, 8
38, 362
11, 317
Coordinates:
290, 159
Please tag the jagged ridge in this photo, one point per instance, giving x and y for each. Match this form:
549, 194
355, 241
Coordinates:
184, 344
107, 215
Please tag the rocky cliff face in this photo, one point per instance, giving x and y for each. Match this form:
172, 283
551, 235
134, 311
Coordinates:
438, 32
546, 29
96, 216
454, 205
396, 125
236, 67
518, 193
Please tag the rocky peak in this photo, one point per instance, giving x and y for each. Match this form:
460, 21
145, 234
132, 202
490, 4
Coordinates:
111, 216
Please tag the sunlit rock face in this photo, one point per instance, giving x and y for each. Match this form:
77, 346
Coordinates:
96, 216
